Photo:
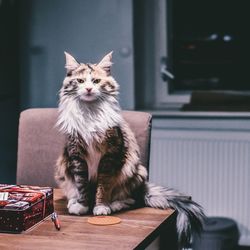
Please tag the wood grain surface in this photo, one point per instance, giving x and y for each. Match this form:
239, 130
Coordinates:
137, 229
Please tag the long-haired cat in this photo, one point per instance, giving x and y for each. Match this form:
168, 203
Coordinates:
100, 169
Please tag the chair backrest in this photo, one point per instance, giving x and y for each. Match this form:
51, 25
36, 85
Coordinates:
40, 143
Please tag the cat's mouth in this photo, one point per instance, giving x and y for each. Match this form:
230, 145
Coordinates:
88, 97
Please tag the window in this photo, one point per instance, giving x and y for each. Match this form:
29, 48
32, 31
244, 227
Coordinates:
202, 50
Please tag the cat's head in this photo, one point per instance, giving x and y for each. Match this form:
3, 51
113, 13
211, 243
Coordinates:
89, 82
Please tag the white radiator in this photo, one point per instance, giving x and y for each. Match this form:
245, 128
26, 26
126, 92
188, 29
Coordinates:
211, 166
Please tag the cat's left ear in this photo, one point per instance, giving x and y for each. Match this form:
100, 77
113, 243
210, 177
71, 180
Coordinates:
106, 63
71, 63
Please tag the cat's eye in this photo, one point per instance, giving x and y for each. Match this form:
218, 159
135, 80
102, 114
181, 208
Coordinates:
80, 80
96, 80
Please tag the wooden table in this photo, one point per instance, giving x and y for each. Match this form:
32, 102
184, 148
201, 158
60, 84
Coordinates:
137, 230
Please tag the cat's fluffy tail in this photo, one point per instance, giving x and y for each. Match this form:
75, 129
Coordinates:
190, 214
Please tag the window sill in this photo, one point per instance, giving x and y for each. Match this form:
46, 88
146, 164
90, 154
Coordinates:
200, 121
198, 114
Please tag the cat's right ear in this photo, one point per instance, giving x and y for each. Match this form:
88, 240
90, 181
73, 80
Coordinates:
71, 63
106, 62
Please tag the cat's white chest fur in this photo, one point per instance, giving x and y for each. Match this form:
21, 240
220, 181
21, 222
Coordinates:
91, 122
93, 160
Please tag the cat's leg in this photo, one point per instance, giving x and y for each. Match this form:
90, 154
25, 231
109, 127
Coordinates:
72, 178
131, 189
73, 195
105, 188
102, 205
78, 202
122, 204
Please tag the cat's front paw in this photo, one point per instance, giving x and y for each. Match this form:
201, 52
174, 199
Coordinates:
75, 207
101, 210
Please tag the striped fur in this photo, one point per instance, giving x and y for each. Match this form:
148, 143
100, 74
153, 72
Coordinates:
100, 169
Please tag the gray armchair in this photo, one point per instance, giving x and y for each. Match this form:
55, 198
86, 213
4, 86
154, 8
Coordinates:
40, 143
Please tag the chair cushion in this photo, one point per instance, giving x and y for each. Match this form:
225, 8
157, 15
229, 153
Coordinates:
40, 143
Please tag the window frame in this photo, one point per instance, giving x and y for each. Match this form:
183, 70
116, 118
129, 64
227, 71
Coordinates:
163, 98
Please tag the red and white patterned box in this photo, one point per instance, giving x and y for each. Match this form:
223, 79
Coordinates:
22, 206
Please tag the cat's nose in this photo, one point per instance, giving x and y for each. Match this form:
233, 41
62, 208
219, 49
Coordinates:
88, 90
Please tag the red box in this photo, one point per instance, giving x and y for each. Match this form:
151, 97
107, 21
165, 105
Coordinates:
24, 207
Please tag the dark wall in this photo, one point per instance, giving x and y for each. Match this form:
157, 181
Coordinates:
9, 89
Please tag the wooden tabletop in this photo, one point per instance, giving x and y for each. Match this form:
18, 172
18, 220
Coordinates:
137, 229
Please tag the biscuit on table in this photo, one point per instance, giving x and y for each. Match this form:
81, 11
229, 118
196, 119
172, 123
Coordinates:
104, 220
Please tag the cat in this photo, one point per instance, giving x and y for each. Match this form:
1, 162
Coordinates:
100, 169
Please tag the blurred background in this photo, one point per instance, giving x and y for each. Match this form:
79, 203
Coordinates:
186, 62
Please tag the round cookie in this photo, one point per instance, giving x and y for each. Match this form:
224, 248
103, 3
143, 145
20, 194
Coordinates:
104, 220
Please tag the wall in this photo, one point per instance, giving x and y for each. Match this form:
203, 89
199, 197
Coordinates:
34, 35
88, 30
